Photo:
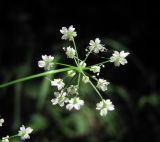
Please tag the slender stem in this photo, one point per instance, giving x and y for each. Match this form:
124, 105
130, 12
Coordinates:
76, 61
75, 47
10, 137
99, 63
88, 55
13, 136
36, 76
64, 65
70, 82
86, 68
94, 87
77, 58
48, 78
91, 76
79, 78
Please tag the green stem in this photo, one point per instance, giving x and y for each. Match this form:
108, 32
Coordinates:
79, 78
70, 82
91, 76
99, 64
77, 58
88, 55
75, 47
13, 136
64, 65
10, 137
76, 61
94, 87
36, 76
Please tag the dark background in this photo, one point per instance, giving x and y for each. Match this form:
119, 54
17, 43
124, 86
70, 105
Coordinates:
30, 29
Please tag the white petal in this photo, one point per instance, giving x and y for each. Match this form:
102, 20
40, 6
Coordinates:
97, 40
103, 112
74, 34
91, 42
111, 107
50, 58
77, 107
99, 105
41, 64
53, 83
22, 128
63, 30
123, 61
29, 130
123, 54
61, 105
66, 100
117, 63
64, 37
116, 53
71, 28
44, 57
54, 101
69, 106
81, 102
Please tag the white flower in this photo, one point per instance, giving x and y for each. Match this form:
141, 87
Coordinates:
72, 90
46, 62
119, 58
60, 98
68, 34
24, 132
58, 83
82, 64
85, 79
70, 52
104, 106
5, 139
75, 103
102, 84
95, 69
96, 46
1, 122
71, 73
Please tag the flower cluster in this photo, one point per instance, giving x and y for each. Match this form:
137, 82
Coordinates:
96, 46
67, 95
68, 34
119, 58
46, 62
5, 139
23, 133
104, 106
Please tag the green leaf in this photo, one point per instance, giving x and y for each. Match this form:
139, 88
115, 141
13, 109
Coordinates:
152, 100
75, 125
38, 122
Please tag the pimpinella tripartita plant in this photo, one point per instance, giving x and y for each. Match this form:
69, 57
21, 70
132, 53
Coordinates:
68, 95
